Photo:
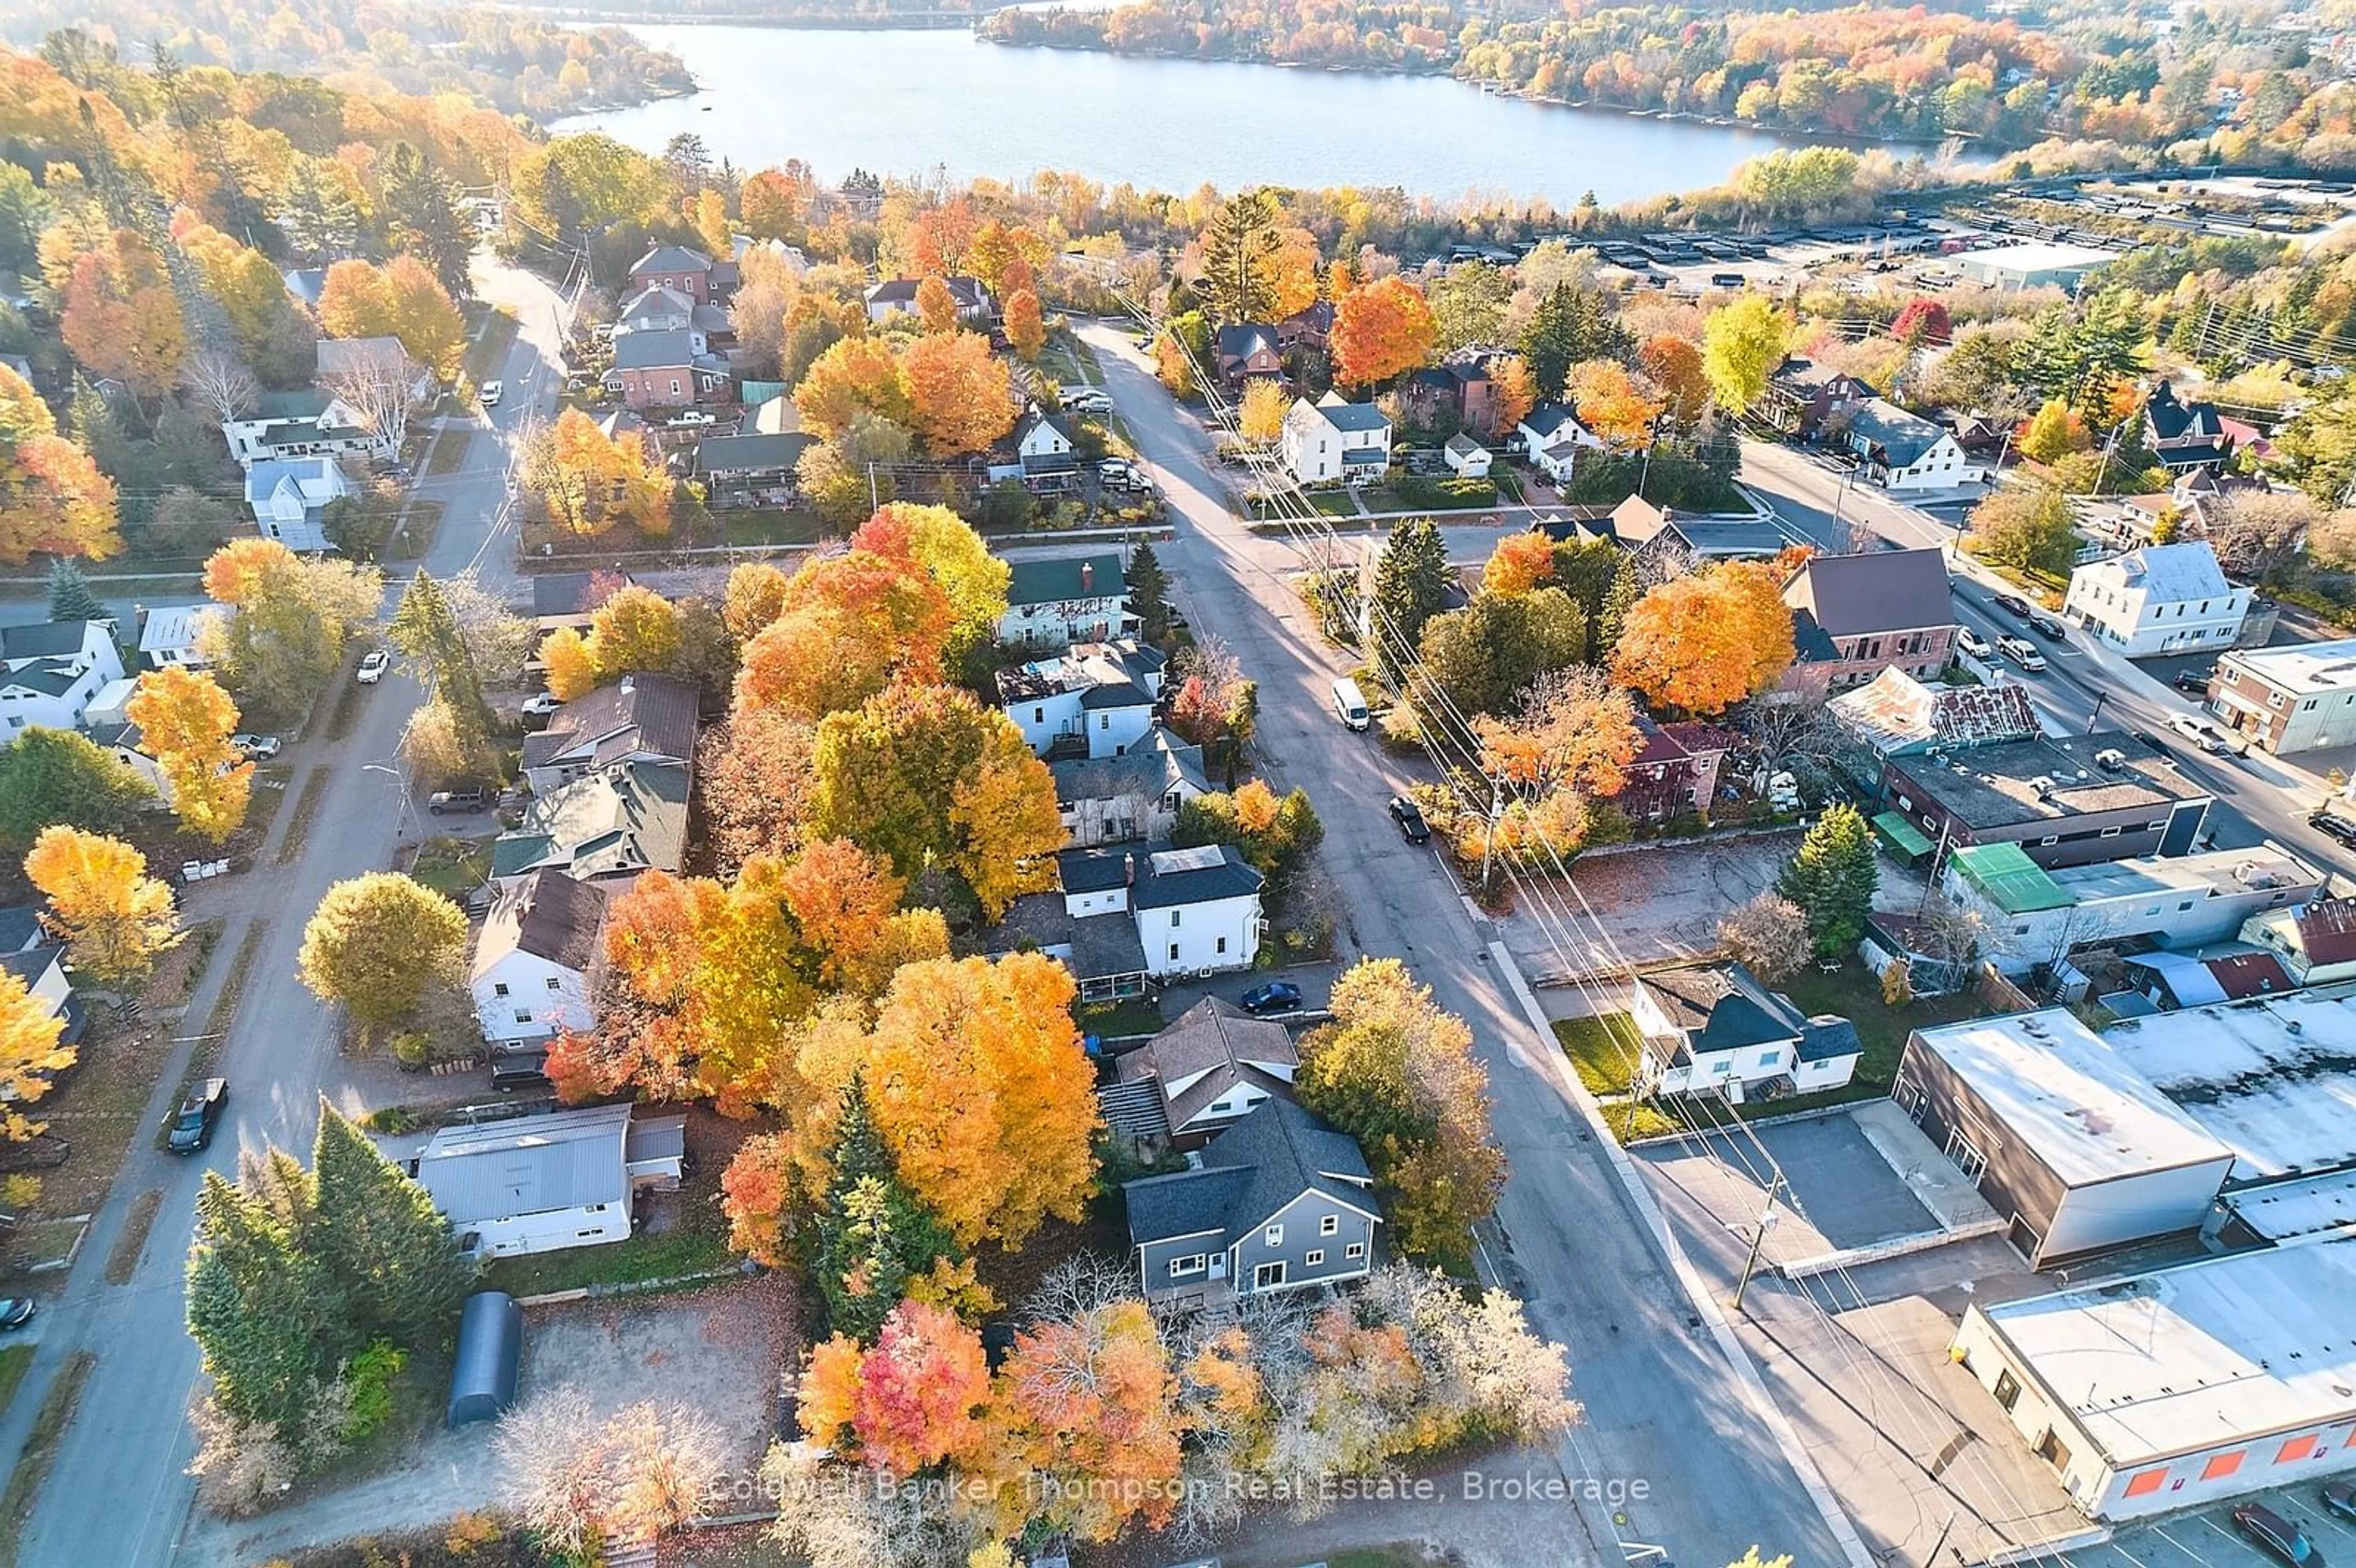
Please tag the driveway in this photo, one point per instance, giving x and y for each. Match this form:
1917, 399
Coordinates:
1663, 1404
1661, 904
717, 1351
127, 1444
2205, 1538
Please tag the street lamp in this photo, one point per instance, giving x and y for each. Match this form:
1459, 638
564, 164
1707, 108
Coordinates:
401, 779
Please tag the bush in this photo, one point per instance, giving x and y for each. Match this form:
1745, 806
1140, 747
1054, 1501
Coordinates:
372, 1375
412, 1049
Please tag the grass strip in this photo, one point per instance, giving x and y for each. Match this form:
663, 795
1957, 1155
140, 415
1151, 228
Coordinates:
290, 848
41, 1452
224, 1008
124, 1260
14, 1360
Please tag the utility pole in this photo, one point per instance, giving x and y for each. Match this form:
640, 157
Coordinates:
1757, 1241
1489, 835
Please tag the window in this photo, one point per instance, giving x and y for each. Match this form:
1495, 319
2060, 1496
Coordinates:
1038, 716
554, 984
2052, 1449
2297, 1448
2151, 1481
1181, 1267
499, 988
2220, 1465
2110, 833
674, 386
2007, 1390
1358, 1250
1104, 721
1316, 1256
1268, 1276
1173, 952
1328, 1225
1173, 918
1273, 1235
522, 1016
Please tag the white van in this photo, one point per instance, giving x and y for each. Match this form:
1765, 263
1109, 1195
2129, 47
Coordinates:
1349, 706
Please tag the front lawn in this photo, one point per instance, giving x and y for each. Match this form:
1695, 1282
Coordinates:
453, 867
769, 525
1603, 1051
696, 1245
1115, 1020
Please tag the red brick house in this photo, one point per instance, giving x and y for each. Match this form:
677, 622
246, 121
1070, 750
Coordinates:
1674, 773
1457, 391
1245, 350
669, 369
677, 267
1308, 327
1854, 616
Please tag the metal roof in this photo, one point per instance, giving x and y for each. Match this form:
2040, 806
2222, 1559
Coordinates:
2009, 879
532, 1164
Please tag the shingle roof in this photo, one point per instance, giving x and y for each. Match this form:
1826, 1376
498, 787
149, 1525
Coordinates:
340, 356
966, 292
574, 593
1057, 578
1827, 1036
654, 351
20, 927
48, 639
2176, 421
1212, 1047
1352, 416
1883, 591
618, 821
1721, 1006
750, 454
1893, 712
1147, 770
1199, 875
1902, 437
672, 259
1244, 339
650, 714
547, 915
657, 300
1249, 1172
1092, 870
1547, 418
1103, 945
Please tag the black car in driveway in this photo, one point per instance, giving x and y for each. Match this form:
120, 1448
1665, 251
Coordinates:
1275, 997
2276, 1536
199, 1113
2194, 680
1410, 820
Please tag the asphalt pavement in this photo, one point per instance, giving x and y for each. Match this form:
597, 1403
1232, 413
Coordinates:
118, 1493
1665, 1414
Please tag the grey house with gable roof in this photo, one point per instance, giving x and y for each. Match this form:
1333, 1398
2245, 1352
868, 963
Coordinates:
1714, 1029
1280, 1201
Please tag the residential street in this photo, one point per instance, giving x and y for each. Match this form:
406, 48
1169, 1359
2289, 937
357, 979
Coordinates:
118, 1494
1662, 1405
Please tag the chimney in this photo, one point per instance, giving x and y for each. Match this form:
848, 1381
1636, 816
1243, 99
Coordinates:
629, 684
1087, 576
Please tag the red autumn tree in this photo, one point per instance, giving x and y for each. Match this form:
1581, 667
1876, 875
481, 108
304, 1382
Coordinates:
912, 1400
1382, 330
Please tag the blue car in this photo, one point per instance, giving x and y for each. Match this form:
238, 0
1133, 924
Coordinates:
1276, 997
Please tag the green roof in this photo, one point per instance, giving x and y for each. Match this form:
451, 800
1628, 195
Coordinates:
2010, 880
1903, 836
1057, 578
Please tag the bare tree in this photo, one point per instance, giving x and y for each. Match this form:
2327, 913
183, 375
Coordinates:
378, 382
218, 380
577, 1481
240, 1469
1795, 736
1081, 1284
836, 1517
497, 639
1769, 935
2255, 533
1951, 935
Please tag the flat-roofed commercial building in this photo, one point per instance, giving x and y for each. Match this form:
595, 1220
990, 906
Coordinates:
2181, 1386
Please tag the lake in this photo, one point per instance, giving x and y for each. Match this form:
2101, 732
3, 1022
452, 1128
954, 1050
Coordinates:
901, 102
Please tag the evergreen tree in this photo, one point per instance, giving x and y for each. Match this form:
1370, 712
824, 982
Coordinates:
51, 776
425, 629
1627, 587
423, 216
70, 597
378, 1236
1832, 878
266, 1316
1570, 323
1239, 250
317, 213
1148, 592
873, 1237
1410, 587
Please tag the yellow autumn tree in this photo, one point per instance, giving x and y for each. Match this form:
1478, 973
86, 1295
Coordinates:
185, 720
30, 1056
1261, 418
101, 897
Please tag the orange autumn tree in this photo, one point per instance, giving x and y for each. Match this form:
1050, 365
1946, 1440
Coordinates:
1700, 645
1026, 325
940, 238
1571, 730
120, 317
855, 376
936, 306
1674, 364
1086, 1412
1517, 391
53, 499
185, 720
980, 1092
1617, 407
911, 1401
756, 595
1519, 563
1381, 330
590, 481
958, 397
847, 627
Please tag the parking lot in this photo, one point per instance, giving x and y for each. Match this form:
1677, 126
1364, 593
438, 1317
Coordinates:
2206, 1538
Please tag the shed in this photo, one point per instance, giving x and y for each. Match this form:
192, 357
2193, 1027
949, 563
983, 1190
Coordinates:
490, 1353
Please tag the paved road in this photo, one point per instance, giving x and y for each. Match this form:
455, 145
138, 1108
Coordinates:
118, 1495
1663, 1407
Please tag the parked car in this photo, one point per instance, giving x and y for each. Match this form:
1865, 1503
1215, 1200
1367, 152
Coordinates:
443, 801
16, 1311
2276, 1536
519, 1069
199, 1113
2338, 829
1972, 642
1275, 997
2047, 628
2013, 604
373, 667
692, 418
491, 393
258, 748
2021, 652
2198, 731
541, 705
2194, 679
2340, 1497
1410, 820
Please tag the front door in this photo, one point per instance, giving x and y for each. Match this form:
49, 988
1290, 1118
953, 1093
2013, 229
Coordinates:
1268, 1276
1218, 1265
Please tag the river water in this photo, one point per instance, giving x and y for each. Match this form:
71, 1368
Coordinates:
901, 102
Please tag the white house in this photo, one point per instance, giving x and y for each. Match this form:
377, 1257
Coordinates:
1714, 1029
896, 296
1208, 1070
1903, 452
49, 673
1553, 437
339, 356
42, 969
607, 825
1115, 800
1038, 452
290, 498
1096, 700
1125, 915
167, 636
2160, 599
539, 1184
1466, 458
657, 309
303, 424
530, 973
1062, 600
1331, 441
